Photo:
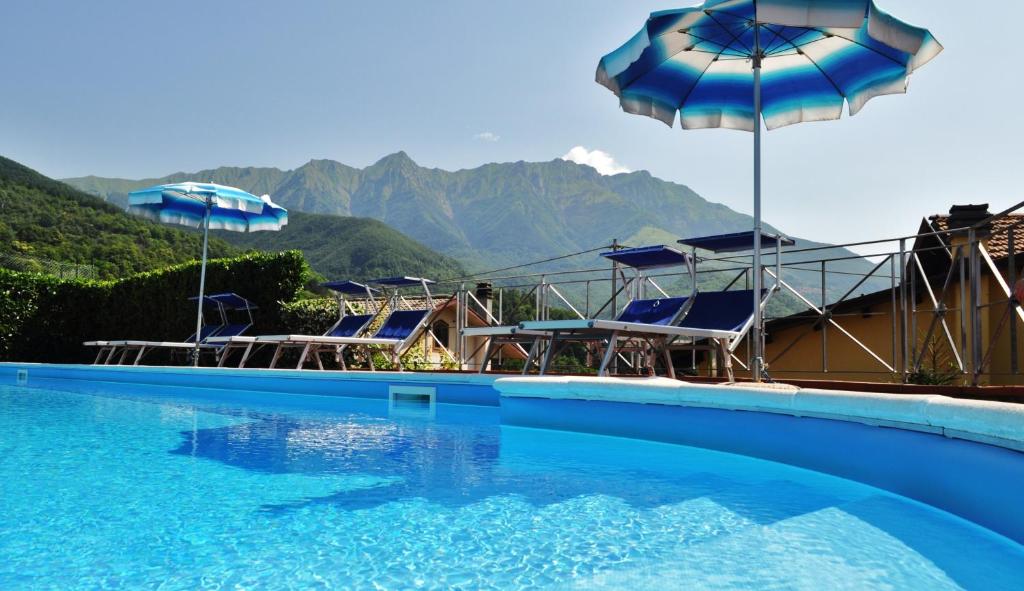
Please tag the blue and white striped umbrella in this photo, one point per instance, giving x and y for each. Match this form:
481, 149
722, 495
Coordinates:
186, 204
730, 63
814, 55
211, 206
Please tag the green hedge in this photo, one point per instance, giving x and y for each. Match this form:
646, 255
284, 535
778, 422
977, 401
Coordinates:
46, 319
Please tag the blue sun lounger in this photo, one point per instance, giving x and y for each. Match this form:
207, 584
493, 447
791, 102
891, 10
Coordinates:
726, 317
108, 350
222, 302
722, 317
651, 321
400, 330
349, 324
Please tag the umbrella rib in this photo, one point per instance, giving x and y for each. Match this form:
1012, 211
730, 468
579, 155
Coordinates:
705, 40
682, 103
785, 40
731, 34
820, 69
775, 34
855, 42
724, 11
798, 45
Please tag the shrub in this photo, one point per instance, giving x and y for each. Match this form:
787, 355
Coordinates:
46, 319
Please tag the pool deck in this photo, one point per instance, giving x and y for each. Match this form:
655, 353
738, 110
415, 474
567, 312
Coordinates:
993, 423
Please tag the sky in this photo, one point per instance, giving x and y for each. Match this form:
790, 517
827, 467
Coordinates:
141, 89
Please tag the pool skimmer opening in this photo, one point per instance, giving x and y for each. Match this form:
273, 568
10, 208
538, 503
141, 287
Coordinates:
417, 401
22, 378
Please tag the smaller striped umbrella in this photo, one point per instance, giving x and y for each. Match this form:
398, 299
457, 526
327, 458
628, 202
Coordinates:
211, 206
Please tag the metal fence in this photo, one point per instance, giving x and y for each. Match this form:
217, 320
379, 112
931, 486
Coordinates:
935, 294
62, 270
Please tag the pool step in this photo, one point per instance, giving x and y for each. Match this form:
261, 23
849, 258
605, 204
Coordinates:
832, 548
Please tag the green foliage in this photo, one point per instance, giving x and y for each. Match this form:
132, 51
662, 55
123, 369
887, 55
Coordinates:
309, 316
351, 248
41, 217
927, 376
46, 319
936, 367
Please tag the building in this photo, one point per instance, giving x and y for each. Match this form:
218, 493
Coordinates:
950, 317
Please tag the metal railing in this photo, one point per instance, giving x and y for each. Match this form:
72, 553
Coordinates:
29, 264
941, 295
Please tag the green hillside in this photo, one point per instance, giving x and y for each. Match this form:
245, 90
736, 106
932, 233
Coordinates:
41, 218
350, 248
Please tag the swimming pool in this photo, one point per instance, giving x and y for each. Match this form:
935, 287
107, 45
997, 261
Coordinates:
134, 487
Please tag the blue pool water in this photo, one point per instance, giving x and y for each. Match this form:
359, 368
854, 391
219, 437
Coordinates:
132, 490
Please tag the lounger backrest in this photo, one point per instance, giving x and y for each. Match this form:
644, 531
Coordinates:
401, 324
661, 311
350, 326
232, 330
205, 332
720, 310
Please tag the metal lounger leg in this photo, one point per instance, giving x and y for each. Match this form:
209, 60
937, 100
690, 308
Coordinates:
245, 354
723, 348
224, 352
340, 354
487, 355
531, 355
302, 358
277, 355
609, 354
669, 366
549, 355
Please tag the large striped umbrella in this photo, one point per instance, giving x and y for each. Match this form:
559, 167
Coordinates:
211, 206
730, 63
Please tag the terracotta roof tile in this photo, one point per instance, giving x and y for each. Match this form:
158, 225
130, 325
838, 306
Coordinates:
998, 243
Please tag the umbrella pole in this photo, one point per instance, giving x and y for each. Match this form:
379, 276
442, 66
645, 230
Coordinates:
202, 281
757, 362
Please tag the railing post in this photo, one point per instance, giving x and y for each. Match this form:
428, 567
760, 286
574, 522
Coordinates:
904, 354
964, 349
975, 288
895, 323
824, 320
1012, 276
460, 322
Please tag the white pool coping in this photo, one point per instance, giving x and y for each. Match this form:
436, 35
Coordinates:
994, 423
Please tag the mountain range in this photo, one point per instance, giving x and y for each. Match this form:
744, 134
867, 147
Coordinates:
495, 215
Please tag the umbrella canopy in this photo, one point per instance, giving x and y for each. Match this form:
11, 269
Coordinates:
186, 204
813, 55
730, 63
210, 206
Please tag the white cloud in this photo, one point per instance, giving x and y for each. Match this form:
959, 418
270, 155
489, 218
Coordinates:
487, 136
596, 159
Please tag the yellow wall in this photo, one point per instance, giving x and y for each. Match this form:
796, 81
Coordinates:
847, 361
